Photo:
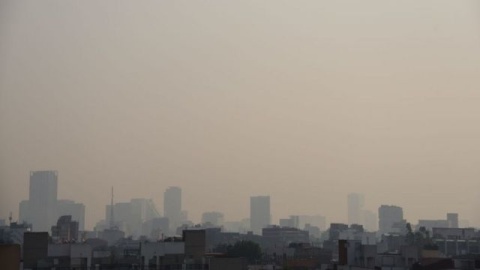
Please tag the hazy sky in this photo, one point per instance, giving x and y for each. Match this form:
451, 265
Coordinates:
305, 101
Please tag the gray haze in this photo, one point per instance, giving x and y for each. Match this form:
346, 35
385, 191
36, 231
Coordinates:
305, 101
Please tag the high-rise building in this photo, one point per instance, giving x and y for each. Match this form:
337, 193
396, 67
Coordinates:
42, 209
172, 206
42, 200
388, 216
355, 203
23, 213
452, 220
130, 216
370, 220
259, 213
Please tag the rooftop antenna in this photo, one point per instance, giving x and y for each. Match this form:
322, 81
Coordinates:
10, 217
112, 223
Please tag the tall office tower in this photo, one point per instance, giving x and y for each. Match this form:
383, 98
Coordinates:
259, 213
23, 213
172, 206
355, 203
452, 220
370, 220
42, 200
388, 216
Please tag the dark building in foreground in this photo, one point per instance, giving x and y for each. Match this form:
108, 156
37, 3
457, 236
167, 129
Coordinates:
10, 256
35, 249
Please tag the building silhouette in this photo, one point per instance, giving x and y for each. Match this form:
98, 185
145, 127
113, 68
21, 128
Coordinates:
172, 206
452, 220
131, 216
370, 220
66, 230
214, 218
73, 209
42, 209
259, 213
355, 203
388, 217
42, 200
291, 222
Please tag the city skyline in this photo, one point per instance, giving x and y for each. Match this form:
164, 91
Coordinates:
130, 216
305, 103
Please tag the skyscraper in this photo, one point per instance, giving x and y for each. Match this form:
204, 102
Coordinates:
42, 200
259, 213
388, 216
355, 203
172, 206
452, 220
370, 221
42, 209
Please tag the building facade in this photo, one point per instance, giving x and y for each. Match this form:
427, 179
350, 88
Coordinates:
355, 203
259, 213
172, 206
388, 216
42, 209
42, 199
